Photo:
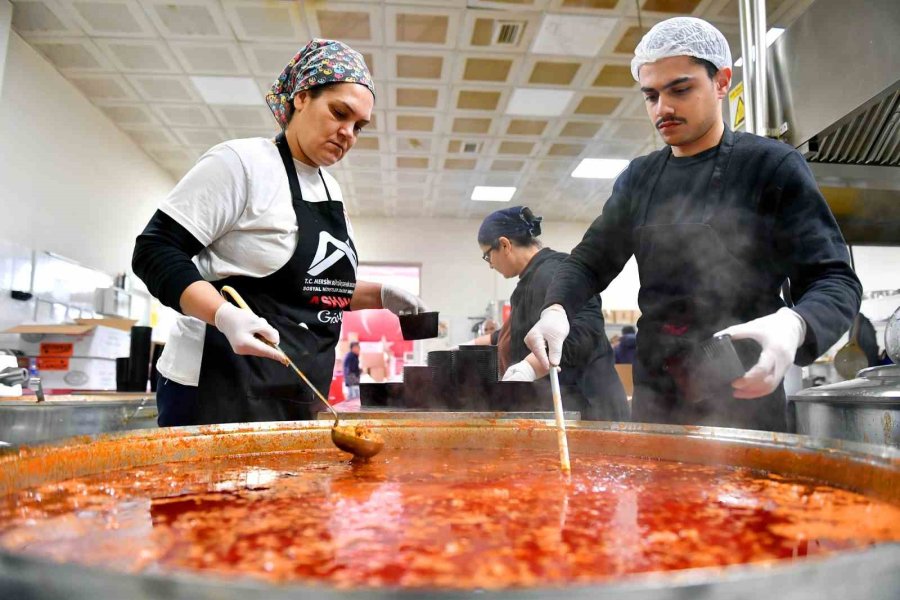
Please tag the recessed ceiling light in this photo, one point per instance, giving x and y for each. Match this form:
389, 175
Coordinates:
538, 102
489, 193
600, 168
771, 35
229, 90
572, 35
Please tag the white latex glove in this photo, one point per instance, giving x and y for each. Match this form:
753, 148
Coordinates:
521, 371
240, 326
779, 335
400, 302
527, 370
549, 333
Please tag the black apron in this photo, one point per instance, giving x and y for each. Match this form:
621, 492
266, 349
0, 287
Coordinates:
304, 301
693, 285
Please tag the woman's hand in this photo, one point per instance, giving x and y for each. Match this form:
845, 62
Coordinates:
400, 302
241, 326
529, 369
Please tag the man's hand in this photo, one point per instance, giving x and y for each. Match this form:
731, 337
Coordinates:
546, 338
779, 335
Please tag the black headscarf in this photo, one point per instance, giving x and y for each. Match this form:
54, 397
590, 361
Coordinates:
516, 223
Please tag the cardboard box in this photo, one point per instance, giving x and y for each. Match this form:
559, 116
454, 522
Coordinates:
75, 356
79, 374
67, 341
114, 322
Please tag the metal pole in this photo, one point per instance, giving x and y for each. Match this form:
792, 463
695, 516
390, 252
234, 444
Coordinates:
745, 14
760, 98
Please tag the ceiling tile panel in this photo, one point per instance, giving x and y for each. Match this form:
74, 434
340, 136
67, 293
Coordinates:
124, 18
269, 60
508, 147
140, 56
164, 88
365, 142
526, 127
597, 105
410, 66
581, 129
565, 150
72, 54
464, 125
246, 117
422, 28
618, 76
487, 69
475, 100
130, 114
267, 22
210, 58
460, 164
416, 97
186, 115
344, 25
36, 17
104, 87
189, 19
553, 73
414, 123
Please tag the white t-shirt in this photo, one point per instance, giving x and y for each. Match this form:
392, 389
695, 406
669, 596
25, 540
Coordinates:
237, 202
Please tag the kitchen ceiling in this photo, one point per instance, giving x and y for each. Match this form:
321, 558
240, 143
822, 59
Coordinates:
469, 92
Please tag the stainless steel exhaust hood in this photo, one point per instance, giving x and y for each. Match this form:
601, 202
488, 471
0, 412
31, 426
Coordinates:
834, 93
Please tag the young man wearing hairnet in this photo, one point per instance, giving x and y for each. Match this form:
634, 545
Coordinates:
718, 221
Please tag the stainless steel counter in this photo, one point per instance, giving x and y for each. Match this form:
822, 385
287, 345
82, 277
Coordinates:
27, 422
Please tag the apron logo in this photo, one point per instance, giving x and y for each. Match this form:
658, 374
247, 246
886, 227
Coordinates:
323, 260
331, 317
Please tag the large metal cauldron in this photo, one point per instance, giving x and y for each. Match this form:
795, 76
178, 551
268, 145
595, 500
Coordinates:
865, 409
872, 574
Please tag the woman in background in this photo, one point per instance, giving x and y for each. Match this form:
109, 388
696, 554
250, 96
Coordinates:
589, 383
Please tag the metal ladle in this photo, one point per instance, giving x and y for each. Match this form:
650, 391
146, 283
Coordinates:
346, 438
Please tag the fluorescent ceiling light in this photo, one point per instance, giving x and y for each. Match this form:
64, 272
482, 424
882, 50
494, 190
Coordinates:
229, 90
489, 193
572, 35
600, 168
538, 102
771, 35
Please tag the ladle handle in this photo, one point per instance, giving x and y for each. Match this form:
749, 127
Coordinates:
227, 291
561, 438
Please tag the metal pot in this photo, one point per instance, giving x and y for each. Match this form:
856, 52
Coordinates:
28, 423
871, 574
865, 409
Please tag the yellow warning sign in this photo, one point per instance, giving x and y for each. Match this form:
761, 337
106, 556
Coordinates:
736, 105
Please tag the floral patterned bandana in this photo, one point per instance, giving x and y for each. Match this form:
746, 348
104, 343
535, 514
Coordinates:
318, 63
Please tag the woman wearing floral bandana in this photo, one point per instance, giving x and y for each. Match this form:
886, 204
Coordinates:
264, 217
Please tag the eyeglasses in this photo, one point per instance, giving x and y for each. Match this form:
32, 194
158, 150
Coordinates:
486, 257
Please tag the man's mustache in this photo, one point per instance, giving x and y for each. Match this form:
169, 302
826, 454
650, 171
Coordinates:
668, 120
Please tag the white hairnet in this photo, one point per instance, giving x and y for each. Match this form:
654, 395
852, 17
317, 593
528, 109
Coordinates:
682, 36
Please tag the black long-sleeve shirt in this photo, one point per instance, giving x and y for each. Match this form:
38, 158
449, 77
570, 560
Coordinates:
162, 259
587, 336
772, 216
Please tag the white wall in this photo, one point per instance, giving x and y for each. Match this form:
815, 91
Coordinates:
73, 183
5, 29
455, 280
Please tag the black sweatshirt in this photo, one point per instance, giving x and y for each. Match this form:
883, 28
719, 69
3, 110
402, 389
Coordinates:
587, 335
162, 259
772, 216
